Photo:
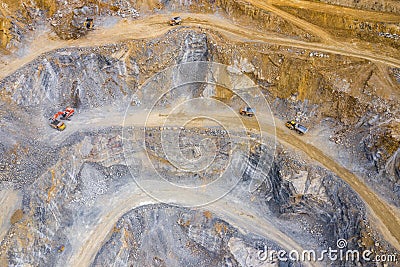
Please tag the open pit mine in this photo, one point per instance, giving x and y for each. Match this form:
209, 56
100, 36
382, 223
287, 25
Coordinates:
199, 133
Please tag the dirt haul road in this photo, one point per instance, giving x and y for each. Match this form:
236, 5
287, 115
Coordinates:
246, 220
153, 26
316, 31
381, 211
387, 220
338, 10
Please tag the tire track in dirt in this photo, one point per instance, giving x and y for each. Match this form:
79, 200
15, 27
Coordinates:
339, 10
309, 27
380, 210
154, 26
243, 219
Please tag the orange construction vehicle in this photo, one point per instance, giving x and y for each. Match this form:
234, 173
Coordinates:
67, 113
61, 115
55, 123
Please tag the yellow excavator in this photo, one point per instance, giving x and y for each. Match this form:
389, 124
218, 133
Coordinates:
56, 124
61, 115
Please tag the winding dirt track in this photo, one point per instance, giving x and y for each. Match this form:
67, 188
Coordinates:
154, 26
390, 226
243, 219
338, 10
380, 211
326, 37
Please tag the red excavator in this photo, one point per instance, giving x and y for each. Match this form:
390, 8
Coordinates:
55, 123
61, 115
67, 113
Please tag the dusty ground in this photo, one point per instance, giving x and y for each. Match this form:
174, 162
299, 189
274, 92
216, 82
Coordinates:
10, 202
86, 171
